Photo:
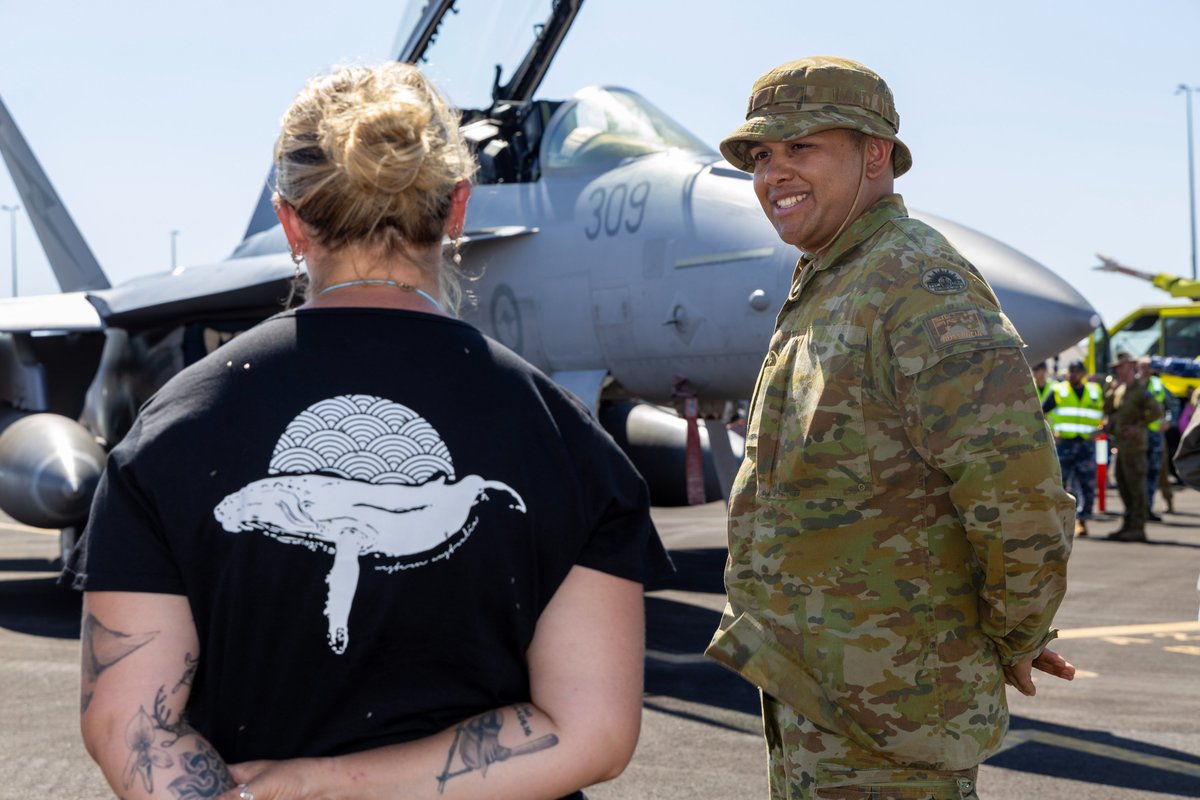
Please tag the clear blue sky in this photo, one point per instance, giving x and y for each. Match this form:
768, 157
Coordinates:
1052, 126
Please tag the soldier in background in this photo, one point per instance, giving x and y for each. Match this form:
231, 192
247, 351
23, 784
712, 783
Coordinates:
898, 530
1128, 409
1155, 443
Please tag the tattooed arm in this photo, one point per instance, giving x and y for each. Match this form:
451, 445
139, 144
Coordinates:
139, 654
585, 666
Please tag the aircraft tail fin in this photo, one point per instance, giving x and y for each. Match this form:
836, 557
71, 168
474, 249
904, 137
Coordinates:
263, 217
69, 255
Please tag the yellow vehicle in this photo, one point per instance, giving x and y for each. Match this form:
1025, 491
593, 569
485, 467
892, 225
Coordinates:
1168, 334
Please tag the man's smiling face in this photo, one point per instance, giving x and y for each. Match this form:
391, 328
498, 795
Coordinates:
807, 186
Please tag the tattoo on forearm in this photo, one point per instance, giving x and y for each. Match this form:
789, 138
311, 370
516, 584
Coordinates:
476, 744
145, 753
189, 672
524, 714
150, 736
162, 718
103, 647
206, 775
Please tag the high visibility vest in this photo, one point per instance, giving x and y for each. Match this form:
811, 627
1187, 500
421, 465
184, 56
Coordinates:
1044, 392
1076, 417
1159, 393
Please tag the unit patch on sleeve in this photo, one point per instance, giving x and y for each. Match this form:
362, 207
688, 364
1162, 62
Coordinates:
956, 326
941, 280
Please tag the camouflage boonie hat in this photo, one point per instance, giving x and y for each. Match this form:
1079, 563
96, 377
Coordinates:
1123, 357
821, 93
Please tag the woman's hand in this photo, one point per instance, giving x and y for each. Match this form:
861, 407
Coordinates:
294, 779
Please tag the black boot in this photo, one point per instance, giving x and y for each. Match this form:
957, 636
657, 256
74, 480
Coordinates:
1128, 535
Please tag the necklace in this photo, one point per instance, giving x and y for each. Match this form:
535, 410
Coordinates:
404, 287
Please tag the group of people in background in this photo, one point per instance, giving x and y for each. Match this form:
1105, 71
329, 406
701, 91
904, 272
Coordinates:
1143, 423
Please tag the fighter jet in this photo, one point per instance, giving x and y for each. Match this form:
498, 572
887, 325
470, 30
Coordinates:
605, 244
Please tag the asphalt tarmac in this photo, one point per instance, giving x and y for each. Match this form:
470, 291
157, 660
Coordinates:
1127, 728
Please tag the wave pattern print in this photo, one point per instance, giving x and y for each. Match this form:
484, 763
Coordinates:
365, 438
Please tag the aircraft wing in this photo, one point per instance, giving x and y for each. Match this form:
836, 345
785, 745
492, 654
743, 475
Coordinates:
52, 312
226, 288
493, 234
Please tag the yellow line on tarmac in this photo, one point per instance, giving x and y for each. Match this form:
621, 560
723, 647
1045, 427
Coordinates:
1017, 737
1131, 630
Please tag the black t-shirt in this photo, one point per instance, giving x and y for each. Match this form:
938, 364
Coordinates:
368, 510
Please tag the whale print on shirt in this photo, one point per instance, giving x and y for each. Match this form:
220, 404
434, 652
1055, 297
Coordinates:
358, 475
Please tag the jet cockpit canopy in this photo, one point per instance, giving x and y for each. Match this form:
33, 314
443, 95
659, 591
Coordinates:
602, 126
515, 136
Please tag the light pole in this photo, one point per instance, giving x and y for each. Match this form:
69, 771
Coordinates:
1187, 91
12, 211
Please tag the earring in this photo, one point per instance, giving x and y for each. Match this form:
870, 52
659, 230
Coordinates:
457, 257
297, 257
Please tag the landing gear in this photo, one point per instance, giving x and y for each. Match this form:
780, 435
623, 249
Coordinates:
67, 537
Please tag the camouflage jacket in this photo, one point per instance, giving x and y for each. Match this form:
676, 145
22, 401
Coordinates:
898, 528
1129, 409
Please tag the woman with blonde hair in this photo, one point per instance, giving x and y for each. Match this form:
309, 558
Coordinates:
362, 550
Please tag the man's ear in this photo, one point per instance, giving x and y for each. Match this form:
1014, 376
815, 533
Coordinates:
879, 156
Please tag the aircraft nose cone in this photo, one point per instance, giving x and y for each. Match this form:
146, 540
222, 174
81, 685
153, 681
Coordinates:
49, 468
1048, 312
58, 491
71, 489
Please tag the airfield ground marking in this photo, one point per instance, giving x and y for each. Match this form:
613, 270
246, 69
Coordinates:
1187, 650
1119, 635
1131, 630
16, 526
1114, 634
1017, 737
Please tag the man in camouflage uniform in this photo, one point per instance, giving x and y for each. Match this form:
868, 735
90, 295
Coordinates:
1128, 409
1156, 460
898, 530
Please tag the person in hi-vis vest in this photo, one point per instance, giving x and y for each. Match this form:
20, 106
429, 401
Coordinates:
1043, 385
1074, 408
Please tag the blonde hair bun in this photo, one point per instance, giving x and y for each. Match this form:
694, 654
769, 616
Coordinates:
381, 146
371, 155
